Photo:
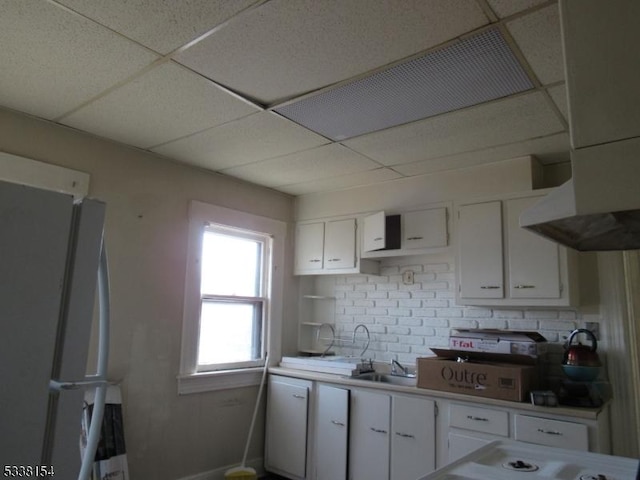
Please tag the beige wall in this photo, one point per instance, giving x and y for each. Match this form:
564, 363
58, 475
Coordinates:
168, 436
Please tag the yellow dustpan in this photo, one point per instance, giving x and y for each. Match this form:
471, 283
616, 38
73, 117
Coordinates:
243, 472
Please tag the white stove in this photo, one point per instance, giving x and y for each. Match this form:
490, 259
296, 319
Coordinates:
508, 460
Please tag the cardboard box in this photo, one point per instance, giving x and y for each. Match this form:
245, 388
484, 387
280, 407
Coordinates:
504, 381
530, 344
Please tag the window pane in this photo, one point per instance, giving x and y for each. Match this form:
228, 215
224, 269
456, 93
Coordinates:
230, 265
229, 332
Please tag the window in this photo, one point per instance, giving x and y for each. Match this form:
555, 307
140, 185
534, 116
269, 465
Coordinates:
233, 297
234, 292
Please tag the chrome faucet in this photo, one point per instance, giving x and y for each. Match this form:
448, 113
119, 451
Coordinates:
395, 365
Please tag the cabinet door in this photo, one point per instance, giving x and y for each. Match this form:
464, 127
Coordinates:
340, 244
480, 250
309, 246
332, 433
413, 451
534, 263
425, 228
369, 436
373, 232
287, 427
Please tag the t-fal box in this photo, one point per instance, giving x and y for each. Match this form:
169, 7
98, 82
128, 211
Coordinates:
529, 344
482, 378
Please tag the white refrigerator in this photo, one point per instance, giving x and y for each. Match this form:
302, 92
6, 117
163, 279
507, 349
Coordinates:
50, 254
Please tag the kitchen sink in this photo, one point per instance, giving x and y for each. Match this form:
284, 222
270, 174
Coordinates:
406, 381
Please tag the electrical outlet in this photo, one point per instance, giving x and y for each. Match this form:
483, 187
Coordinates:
594, 327
407, 277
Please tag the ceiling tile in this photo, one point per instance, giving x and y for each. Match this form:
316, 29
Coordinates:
283, 48
504, 8
315, 164
343, 181
551, 149
166, 103
538, 36
53, 60
559, 97
497, 123
250, 139
159, 24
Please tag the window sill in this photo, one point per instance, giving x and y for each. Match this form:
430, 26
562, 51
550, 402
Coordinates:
220, 380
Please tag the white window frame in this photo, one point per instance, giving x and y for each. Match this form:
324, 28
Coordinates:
200, 215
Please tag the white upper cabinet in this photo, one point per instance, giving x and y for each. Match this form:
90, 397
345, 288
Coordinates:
500, 263
310, 247
340, 244
373, 236
415, 232
425, 228
480, 251
329, 247
534, 262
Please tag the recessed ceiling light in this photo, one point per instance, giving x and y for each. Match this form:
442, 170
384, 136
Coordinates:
474, 70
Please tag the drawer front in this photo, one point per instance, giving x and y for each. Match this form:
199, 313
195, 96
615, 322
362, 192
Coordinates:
554, 433
476, 419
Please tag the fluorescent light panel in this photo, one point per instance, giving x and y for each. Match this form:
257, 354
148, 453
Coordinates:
477, 69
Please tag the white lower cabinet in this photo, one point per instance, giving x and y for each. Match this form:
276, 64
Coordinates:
471, 427
369, 435
413, 432
286, 426
553, 433
332, 433
391, 436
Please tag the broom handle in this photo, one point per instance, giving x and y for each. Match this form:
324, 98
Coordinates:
255, 410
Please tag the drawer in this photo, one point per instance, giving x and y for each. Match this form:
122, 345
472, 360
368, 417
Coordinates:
484, 420
554, 433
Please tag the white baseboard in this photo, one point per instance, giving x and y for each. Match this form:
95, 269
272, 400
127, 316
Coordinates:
218, 473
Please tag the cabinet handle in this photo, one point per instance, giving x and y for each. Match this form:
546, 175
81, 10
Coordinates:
477, 419
524, 286
335, 259
335, 422
315, 260
489, 287
377, 430
550, 432
295, 395
405, 435
415, 238
377, 239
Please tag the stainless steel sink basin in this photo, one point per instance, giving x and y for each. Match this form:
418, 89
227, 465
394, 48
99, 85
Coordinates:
406, 381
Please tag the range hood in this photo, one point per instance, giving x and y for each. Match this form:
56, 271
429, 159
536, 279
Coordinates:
599, 208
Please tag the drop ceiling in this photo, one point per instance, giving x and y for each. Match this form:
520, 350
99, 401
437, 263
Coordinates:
209, 82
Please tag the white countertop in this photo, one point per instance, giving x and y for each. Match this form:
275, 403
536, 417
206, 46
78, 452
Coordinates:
585, 413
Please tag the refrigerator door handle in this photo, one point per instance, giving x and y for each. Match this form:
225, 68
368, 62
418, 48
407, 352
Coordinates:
103, 357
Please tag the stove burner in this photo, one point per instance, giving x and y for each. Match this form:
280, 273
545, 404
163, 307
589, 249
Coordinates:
520, 466
593, 477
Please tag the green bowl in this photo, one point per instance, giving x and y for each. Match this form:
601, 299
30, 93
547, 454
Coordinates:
581, 374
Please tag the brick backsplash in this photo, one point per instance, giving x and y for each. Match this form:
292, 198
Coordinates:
405, 321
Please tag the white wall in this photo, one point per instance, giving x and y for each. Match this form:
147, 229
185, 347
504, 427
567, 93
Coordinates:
405, 321
168, 436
